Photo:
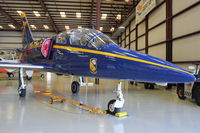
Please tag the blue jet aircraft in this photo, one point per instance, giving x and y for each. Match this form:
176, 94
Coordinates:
90, 53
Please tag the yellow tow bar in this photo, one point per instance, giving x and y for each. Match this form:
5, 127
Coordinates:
55, 98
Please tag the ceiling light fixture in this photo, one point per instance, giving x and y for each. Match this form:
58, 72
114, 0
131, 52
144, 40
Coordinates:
62, 14
101, 28
103, 16
19, 12
37, 14
11, 26
119, 17
67, 27
46, 27
78, 15
33, 27
79, 27
121, 27
112, 29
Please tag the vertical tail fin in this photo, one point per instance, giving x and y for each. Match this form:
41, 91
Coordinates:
27, 34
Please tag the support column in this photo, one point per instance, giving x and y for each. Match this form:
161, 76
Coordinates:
169, 30
146, 35
98, 15
129, 35
121, 40
125, 37
136, 37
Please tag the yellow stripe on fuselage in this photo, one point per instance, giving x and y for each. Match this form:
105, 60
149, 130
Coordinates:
115, 55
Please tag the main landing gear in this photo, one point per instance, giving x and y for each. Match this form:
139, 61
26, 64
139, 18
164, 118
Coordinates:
10, 75
22, 85
29, 75
75, 86
115, 105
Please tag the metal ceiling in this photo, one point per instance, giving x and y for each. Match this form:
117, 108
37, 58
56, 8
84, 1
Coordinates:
50, 13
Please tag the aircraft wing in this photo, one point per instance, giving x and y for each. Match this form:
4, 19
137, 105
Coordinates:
22, 65
7, 70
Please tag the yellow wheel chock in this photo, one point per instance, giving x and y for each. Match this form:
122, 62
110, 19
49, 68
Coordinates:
121, 114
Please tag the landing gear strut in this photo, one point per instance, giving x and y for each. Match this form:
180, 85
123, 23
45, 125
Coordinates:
22, 85
115, 105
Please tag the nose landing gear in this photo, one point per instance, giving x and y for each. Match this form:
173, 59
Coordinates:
115, 105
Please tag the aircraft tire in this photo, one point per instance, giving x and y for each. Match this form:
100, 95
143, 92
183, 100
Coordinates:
111, 109
42, 75
180, 92
22, 92
75, 87
149, 86
168, 87
197, 95
132, 82
28, 78
10, 75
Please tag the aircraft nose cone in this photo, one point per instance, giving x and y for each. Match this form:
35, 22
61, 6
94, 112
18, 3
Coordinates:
167, 72
187, 77
163, 71
145, 68
176, 74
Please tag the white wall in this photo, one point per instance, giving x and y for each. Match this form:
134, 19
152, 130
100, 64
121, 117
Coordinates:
158, 51
187, 22
13, 39
187, 49
158, 34
132, 47
158, 16
132, 35
141, 42
141, 29
184, 49
179, 5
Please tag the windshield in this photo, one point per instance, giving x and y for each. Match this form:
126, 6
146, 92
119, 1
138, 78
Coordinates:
89, 37
100, 40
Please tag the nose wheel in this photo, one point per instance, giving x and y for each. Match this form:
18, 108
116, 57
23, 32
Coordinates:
111, 108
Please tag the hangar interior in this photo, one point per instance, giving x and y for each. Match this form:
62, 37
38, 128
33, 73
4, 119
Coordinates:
170, 31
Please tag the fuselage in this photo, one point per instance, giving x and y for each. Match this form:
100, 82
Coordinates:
81, 58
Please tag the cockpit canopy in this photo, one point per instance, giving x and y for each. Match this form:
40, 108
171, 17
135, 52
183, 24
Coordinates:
84, 37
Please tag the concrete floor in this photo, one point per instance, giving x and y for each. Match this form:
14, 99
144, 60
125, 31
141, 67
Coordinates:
155, 111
